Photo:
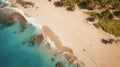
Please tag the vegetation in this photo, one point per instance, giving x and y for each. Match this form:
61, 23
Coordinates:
93, 4
106, 22
110, 26
107, 10
70, 4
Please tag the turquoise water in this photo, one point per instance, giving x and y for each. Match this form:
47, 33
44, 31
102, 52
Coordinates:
1, 1
15, 53
16, 49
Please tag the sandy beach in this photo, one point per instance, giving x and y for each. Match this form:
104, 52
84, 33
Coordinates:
76, 33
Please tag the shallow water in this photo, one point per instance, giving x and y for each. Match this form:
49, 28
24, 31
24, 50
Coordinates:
15, 53
16, 49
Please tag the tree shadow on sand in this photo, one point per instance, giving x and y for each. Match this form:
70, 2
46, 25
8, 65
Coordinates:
58, 4
69, 9
82, 5
107, 41
91, 19
117, 13
49, 0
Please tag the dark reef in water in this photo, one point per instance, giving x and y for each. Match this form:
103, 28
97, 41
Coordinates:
59, 64
9, 17
37, 39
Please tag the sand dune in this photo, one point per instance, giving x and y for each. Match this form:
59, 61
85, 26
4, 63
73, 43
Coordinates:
74, 32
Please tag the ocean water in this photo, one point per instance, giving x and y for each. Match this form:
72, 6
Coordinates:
16, 49
15, 53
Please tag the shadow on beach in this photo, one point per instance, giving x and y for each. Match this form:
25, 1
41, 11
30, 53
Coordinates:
58, 4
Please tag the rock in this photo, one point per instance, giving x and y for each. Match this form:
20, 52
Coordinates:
59, 64
52, 59
25, 4
78, 65
38, 39
48, 46
84, 49
69, 58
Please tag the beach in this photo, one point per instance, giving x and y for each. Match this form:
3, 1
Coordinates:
22, 39
76, 33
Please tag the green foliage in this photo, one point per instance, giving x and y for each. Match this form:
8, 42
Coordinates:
116, 4
107, 15
69, 3
97, 25
111, 26
92, 4
104, 15
106, 21
94, 14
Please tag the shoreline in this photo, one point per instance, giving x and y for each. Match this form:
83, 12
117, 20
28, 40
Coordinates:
75, 36
13, 15
64, 51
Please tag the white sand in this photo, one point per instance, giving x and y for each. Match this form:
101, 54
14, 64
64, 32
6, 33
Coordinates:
74, 32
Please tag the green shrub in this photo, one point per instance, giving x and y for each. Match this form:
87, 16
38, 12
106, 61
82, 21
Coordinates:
111, 26
105, 18
97, 25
